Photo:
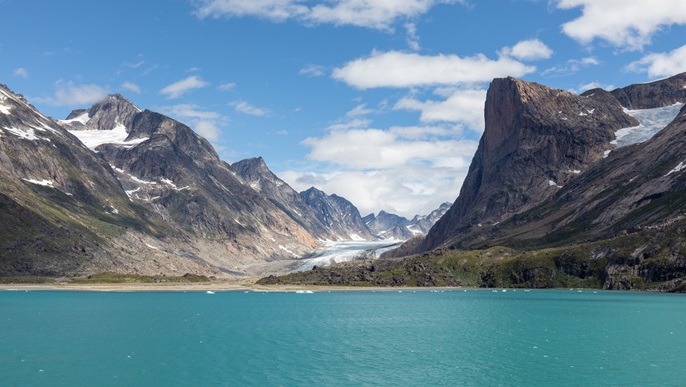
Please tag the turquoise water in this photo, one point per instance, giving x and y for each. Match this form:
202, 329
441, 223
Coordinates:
473, 338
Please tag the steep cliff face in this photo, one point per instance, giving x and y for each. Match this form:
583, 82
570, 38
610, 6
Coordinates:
256, 174
338, 214
651, 95
536, 140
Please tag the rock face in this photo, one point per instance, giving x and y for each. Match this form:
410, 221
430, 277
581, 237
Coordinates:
651, 95
153, 198
256, 173
536, 140
391, 226
113, 111
338, 214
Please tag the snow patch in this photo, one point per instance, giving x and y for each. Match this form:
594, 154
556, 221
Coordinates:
356, 237
117, 136
83, 118
4, 109
553, 183
288, 251
114, 210
133, 191
678, 168
575, 171
152, 247
27, 134
44, 183
650, 121
137, 180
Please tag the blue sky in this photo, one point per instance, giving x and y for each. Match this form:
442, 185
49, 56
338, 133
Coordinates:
377, 101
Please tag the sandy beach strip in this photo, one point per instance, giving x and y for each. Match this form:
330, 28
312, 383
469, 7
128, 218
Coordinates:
218, 286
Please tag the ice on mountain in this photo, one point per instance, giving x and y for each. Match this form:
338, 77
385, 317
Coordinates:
94, 138
650, 121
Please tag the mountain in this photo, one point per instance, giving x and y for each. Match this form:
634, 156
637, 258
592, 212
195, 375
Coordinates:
256, 173
536, 140
129, 191
338, 214
620, 223
391, 226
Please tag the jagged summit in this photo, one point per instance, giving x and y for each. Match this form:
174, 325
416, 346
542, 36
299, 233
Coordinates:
112, 112
338, 214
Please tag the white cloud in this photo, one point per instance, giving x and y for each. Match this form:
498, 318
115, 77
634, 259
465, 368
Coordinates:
461, 106
208, 130
132, 87
661, 64
403, 70
226, 86
532, 49
407, 170
205, 123
246, 108
21, 72
412, 37
627, 24
362, 13
71, 94
571, 67
593, 85
312, 70
179, 88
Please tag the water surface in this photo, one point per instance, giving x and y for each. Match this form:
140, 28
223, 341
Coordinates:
455, 338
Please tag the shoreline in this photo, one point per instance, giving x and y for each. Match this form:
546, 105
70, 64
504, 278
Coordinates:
206, 287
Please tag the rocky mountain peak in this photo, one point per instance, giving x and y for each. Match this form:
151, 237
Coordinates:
252, 169
113, 111
536, 139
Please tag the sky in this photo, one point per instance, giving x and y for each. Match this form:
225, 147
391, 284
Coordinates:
378, 101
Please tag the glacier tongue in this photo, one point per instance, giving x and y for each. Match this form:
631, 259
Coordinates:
651, 121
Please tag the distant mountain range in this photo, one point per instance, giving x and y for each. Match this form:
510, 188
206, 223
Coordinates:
116, 188
391, 226
564, 190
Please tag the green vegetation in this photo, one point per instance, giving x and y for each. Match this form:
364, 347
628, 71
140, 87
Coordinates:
632, 261
117, 278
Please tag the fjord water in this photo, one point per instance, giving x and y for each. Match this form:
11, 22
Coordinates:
457, 338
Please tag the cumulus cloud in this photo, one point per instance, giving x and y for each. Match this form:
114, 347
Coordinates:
627, 24
461, 106
403, 70
407, 170
532, 49
21, 72
661, 64
179, 88
205, 123
246, 108
70, 94
362, 13
132, 87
